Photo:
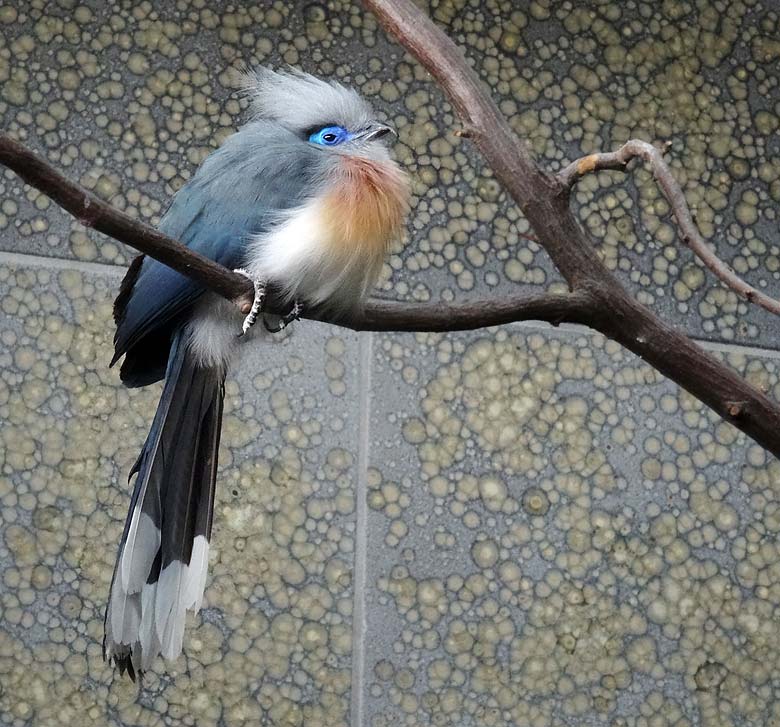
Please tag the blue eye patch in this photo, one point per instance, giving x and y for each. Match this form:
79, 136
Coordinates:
330, 136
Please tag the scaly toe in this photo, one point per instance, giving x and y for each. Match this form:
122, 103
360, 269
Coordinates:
257, 303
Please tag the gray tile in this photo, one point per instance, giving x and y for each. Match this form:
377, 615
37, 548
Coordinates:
558, 536
273, 643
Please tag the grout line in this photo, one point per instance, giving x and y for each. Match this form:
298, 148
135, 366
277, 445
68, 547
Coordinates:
740, 348
361, 530
720, 346
41, 261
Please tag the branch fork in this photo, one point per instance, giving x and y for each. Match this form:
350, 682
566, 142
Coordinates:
545, 202
686, 220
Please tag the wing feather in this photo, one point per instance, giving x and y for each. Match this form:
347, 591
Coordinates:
236, 194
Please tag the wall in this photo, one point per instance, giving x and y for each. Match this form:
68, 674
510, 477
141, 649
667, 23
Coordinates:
517, 526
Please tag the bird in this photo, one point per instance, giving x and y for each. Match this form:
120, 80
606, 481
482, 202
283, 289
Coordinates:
304, 196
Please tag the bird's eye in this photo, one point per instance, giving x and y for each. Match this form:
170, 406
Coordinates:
329, 135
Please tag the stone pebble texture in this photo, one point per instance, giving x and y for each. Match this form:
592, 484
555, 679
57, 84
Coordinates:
515, 526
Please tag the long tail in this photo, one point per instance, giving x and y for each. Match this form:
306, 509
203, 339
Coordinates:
161, 566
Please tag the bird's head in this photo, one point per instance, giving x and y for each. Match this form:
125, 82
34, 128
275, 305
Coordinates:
322, 113
360, 194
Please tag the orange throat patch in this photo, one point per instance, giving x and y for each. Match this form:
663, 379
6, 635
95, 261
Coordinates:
366, 209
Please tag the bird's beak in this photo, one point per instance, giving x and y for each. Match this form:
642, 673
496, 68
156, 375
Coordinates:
376, 131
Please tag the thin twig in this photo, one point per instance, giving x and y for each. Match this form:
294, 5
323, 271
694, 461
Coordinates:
689, 232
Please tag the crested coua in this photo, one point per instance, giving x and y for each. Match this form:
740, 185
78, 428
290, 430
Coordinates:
304, 196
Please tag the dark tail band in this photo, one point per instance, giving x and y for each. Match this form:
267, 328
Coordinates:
162, 562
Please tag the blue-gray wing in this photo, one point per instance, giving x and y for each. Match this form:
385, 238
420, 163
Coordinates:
235, 194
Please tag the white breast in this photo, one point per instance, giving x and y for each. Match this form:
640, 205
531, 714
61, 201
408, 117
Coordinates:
298, 254
308, 253
290, 249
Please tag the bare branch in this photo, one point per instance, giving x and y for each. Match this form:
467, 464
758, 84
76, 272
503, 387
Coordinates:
383, 315
93, 212
544, 200
689, 233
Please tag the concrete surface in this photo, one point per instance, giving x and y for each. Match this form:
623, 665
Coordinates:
517, 526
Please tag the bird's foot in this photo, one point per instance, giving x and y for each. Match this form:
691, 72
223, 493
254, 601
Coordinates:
257, 303
294, 314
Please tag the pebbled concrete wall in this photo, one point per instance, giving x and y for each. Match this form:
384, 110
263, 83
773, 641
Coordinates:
518, 526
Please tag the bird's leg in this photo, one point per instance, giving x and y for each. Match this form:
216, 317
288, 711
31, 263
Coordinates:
257, 303
294, 314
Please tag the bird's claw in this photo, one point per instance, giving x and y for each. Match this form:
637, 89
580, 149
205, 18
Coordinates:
294, 314
257, 303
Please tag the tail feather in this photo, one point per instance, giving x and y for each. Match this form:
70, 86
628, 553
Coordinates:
162, 562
